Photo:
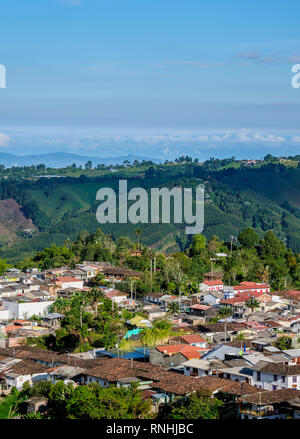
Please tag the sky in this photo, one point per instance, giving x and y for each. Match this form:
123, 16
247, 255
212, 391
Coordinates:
155, 78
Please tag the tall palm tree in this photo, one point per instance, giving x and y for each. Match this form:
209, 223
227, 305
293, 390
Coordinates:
138, 233
95, 294
253, 304
173, 308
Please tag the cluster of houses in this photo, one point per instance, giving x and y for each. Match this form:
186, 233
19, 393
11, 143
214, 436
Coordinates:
233, 356
31, 294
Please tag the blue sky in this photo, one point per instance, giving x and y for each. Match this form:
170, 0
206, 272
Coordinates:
152, 77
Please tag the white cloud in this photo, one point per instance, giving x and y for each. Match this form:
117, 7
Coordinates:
4, 139
269, 138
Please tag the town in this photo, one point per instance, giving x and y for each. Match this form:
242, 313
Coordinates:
181, 335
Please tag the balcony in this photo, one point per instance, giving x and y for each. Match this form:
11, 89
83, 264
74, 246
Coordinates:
263, 413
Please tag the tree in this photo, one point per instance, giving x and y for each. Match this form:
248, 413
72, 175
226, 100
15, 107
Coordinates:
95, 402
199, 405
173, 308
88, 165
225, 311
283, 343
214, 244
95, 294
253, 304
138, 233
59, 396
248, 238
271, 247
198, 244
3, 266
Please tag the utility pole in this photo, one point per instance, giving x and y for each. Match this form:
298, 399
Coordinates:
151, 274
179, 299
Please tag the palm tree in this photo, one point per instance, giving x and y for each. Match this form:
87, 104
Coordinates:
60, 305
173, 308
95, 294
138, 233
253, 304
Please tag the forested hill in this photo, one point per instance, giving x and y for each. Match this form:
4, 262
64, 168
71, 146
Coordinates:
265, 197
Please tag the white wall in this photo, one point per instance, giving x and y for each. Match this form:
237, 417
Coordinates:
25, 310
4, 314
75, 284
267, 381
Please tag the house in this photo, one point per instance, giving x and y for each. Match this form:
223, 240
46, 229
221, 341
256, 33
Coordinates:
238, 303
53, 320
293, 355
65, 373
64, 282
23, 371
166, 299
154, 312
268, 404
23, 307
204, 311
222, 352
242, 374
116, 296
118, 274
190, 339
211, 285
200, 367
251, 287
154, 298
212, 298
174, 355
274, 376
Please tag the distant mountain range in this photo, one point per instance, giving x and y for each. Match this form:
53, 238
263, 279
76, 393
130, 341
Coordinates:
63, 159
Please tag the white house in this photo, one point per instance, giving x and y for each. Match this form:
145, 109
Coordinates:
23, 371
212, 298
201, 368
69, 282
23, 308
116, 296
211, 285
275, 376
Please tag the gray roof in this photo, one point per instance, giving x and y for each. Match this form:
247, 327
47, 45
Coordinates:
220, 352
52, 316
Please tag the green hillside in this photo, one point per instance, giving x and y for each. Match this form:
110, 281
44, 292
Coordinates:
263, 197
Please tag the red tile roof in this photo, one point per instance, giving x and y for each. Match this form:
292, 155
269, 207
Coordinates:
212, 283
67, 279
242, 297
188, 351
193, 338
198, 306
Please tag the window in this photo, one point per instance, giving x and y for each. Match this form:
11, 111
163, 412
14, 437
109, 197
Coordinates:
274, 387
283, 379
258, 376
294, 379
275, 378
